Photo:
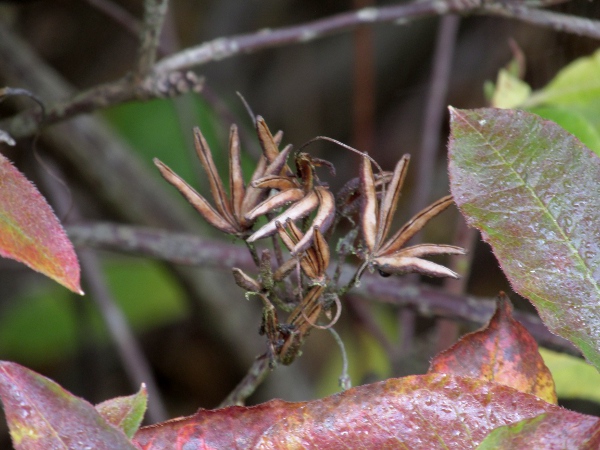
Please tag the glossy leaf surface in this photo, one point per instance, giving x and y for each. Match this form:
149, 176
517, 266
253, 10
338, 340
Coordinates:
431, 411
556, 430
532, 190
125, 413
30, 232
503, 352
43, 416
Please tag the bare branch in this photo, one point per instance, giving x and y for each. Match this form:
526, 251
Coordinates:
547, 19
190, 249
125, 89
154, 17
222, 48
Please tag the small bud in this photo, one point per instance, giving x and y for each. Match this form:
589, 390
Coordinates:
245, 281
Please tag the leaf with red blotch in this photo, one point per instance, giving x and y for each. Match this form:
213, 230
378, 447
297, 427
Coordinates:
31, 233
503, 352
43, 416
126, 412
417, 412
532, 190
553, 430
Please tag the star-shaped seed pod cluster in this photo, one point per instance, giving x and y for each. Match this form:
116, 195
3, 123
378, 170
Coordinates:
237, 213
389, 256
300, 283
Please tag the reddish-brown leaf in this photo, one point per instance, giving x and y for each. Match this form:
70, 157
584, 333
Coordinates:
503, 352
43, 416
556, 430
31, 233
418, 412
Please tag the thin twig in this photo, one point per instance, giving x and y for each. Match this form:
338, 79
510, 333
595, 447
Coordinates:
547, 19
363, 91
119, 14
344, 379
222, 48
253, 378
430, 140
190, 249
465, 237
154, 17
435, 110
123, 90
130, 352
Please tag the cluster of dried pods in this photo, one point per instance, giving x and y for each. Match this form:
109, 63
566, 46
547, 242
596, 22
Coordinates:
302, 285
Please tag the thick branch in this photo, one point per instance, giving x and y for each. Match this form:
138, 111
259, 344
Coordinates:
189, 249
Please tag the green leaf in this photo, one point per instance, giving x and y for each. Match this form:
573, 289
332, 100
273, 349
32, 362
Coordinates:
510, 91
573, 377
576, 84
532, 190
42, 415
125, 413
556, 429
31, 233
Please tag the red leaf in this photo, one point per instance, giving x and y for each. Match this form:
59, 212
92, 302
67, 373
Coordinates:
418, 412
503, 352
43, 416
31, 233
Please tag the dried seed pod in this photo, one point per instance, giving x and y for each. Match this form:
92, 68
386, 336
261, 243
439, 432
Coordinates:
369, 213
298, 210
276, 182
236, 178
322, 220
391, 197
275, 201
196, 200
245, 281
214, 180
414, 225
399, 264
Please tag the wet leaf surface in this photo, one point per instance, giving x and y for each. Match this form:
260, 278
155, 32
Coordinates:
126, 412
30, 232
554, 430
532, 190
503, 352
43, 416
417, 412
